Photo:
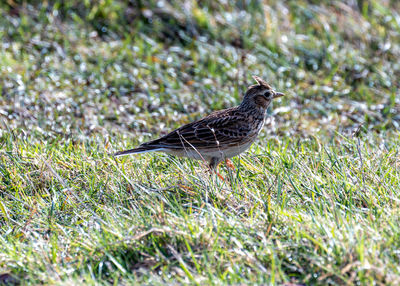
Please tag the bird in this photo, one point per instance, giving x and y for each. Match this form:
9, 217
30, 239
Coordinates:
219, 136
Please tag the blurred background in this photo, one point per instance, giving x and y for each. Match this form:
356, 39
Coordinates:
309, 204
70, 69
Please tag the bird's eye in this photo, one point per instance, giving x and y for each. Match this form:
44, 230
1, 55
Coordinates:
267, 94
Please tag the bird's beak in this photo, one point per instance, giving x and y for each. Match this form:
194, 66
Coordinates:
278, 94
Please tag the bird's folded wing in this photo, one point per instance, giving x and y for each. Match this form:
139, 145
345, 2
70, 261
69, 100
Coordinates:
210, 132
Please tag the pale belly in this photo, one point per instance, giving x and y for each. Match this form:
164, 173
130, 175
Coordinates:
204, 154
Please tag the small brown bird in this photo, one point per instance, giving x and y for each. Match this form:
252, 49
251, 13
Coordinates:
222, 134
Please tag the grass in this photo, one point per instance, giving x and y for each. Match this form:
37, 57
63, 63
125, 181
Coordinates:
315, 201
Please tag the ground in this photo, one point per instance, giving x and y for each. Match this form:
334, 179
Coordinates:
314, 201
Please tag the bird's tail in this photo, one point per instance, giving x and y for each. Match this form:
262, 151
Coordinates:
138, 150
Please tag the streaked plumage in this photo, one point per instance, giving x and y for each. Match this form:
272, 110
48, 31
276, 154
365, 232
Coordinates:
222, 134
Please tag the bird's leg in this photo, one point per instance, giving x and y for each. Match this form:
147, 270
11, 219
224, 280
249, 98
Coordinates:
215, 170
229, 164
220, 176
214, 167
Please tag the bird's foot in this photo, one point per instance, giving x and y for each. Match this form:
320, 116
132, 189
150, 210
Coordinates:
229, 164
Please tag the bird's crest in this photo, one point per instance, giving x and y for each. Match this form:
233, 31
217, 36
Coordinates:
260, 81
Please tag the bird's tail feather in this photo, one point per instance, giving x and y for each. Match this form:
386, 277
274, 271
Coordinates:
137, 150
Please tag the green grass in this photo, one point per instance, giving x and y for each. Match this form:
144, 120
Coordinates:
312, 202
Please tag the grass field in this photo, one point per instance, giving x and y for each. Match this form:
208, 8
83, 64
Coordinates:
314, 202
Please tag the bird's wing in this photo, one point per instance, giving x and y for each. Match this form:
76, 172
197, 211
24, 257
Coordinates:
225, 127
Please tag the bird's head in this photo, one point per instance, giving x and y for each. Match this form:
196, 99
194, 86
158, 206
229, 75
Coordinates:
259, 95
